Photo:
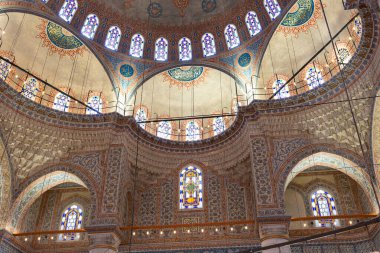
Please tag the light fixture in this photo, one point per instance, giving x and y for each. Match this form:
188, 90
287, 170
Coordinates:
304, 224
216, 230
350, 222
232, 229
52, 237
188, 231
39, 238
246, 227
26, 239
161, 232
147, 232
134, 233
175, 232
202, 230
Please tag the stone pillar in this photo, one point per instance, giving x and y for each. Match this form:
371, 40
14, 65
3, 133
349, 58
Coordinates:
106, 241
274, 230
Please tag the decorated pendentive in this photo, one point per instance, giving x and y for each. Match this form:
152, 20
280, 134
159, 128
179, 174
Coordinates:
190, 188
58, 40
126, 70
244, 60
301, 17
185, 76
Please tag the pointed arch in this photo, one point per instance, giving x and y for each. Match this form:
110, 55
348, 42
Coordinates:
191, 188
314, 77
113, 38
137, 46
90, 26
164, 130
68, 10
208, 45
96, 103
30, 88
161, 49
193, 131
232, 36
253, 23
184, 49
61, 102
273, 8
219, 125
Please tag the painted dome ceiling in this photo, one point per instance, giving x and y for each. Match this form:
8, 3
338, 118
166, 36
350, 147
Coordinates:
170, 12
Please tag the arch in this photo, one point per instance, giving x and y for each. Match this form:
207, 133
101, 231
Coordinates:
137, 46
191, 188
208, 45
184, 49
219, 125
284, 93
96, 103
273, 8
161, 49
72, 219
314, 77
46, 179
232, 36
193, 131
61, 102
253, 23
90, 26
113, 38
322, 156
164, 130
68, 10
30, 88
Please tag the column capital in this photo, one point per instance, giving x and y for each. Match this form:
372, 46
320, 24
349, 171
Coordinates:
273, 227
104, 238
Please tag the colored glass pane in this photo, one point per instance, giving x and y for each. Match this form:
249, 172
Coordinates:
184, 47
96, 103
190, 188
30, 88
68, 10
137, 46
193, 132
61, 102
273, 8
113, 38
141, 116
314, 77
232, 36
284, 92
90, 26
164, 130
219, 125
161, 50
208, 45
253, 23
323, 204
4, 69
71, 220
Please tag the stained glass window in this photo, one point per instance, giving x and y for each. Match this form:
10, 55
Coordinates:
253, 23
184, 47
314, 77
164, 130
71, 220
358, 26
113, 38
95, 102
141, 116
4, 69
323, 204
161, 50
232, 36
30, 88
193, 132
218, 125
284, 92
190, 188
344, 55
90, 26
61, 102
272, 8
137, 46
44, 1
68, 10
208, 44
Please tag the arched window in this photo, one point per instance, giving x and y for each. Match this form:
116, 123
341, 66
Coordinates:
184, 48
208, 44
323, 204
4, 69
284, 92
161, 50
272, 8
113, 38
90, 26
193, 132
30, 88
358, 26
137, 46
68, 10
95, 102
61, 102
232, 36
45, 1
219, 125
314, 77
164, 130
190, 188
253, 23
141, 116
71, 220
344, 55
